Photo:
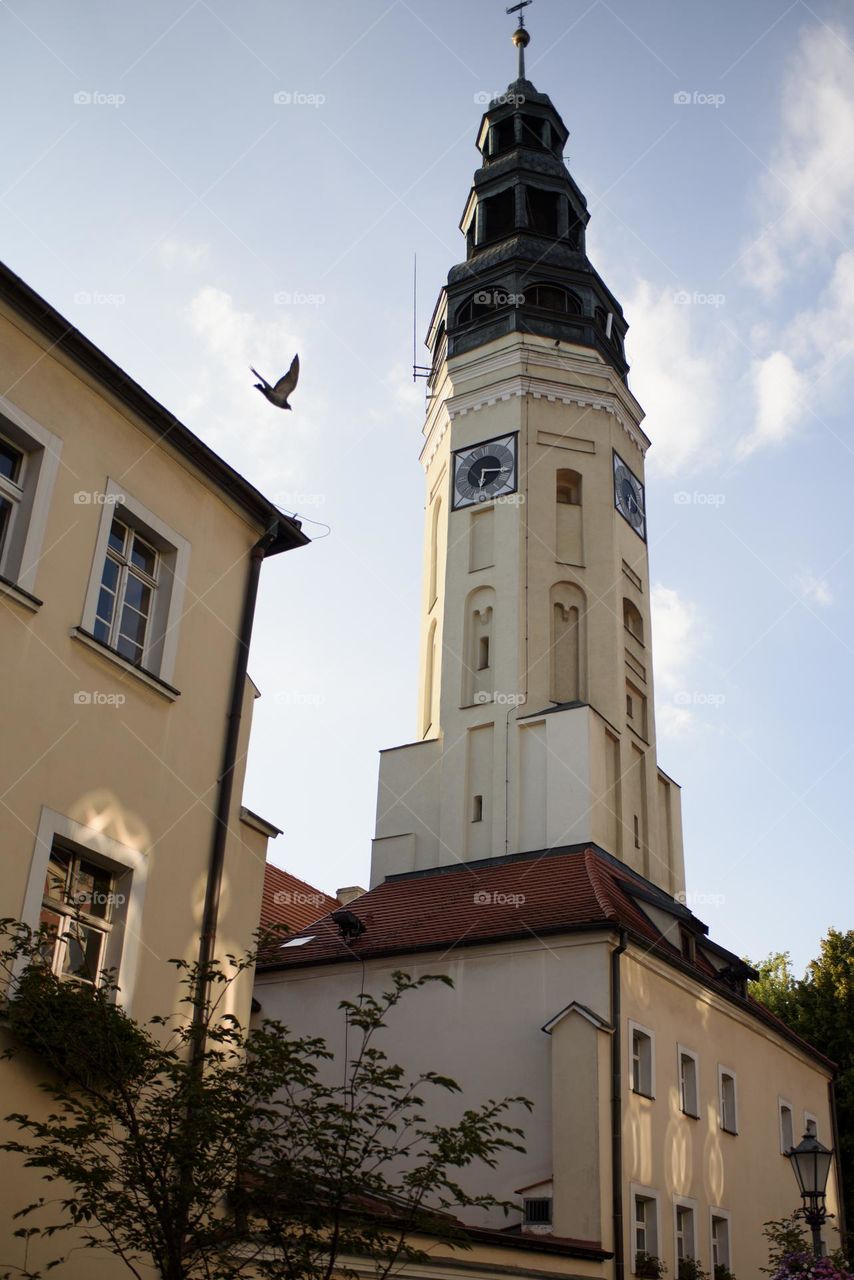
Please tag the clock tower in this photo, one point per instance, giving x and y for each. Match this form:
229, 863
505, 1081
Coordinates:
536, 727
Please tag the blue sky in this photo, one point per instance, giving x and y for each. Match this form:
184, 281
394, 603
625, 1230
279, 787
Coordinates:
155, 191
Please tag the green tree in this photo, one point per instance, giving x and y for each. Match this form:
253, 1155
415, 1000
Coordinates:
257, 1164
820, 1007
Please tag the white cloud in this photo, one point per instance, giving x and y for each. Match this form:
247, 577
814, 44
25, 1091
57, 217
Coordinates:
180, 255
814, 590
677, 637
806, 201
778, 389
676, 375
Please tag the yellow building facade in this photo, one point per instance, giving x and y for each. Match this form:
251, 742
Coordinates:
129, 562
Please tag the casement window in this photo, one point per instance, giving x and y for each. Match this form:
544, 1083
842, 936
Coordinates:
787, 1125
29, 458
89, 890
689, 1095
127, 596
727, 1100
537, 1211
77, 910
644, 1223
720, 1236
642, 1060
685, 1233
136, 588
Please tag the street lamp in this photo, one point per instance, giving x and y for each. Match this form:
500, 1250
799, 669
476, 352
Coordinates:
811, 1165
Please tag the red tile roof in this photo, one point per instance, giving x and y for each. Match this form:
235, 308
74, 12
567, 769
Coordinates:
526, 896
291, 902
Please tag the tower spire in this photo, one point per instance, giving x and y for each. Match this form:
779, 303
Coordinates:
521, 36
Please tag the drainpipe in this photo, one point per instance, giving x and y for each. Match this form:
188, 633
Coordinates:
213, 887
617, 1109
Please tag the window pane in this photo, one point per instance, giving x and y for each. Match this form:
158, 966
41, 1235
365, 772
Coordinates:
101, 631
51, 922
92, 890
143, 556
57, 876
106, 604
133, 626
127, 648
10, 461
137, 594
118, 532
110, 576
5, 513
82, 957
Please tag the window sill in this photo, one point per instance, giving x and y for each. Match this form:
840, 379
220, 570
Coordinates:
147, 677
733, 1133
689, 1115
19, 595
639, 1093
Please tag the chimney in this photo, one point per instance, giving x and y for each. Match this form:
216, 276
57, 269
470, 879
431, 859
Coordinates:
349, 894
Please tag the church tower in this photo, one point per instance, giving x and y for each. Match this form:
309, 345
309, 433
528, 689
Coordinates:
536, 727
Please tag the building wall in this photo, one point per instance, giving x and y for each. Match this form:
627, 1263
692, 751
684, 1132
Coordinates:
744, 1174
122, 766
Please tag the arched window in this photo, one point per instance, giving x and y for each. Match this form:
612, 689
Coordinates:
479, 663
550, 297
429, 681
568, 487
432, 588
632, 620
486, 302
568, 645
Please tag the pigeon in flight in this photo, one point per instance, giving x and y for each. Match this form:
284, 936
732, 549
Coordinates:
278, 394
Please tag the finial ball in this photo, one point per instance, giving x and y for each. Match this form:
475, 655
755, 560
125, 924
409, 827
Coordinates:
521, 36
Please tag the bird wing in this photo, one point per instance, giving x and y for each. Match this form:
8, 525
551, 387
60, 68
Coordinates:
260, 376
286, 384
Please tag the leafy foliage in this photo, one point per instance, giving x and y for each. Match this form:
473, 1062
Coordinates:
648, 1266
247, 1160
820, 1007
790, 1253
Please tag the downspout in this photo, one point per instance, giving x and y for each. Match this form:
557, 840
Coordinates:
840, 1190
617, 1109
213, 887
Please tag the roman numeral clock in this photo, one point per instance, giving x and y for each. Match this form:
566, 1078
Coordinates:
485, 471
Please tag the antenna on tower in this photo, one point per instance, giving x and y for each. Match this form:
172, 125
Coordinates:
418, 370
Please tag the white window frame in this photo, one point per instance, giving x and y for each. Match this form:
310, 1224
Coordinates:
684, 1203
716, 1212
632, 1028
161, 645
683, 1051
781, 1103
727, 1071
129, 866
638, 1191
41, 449
809, 1118
71, 915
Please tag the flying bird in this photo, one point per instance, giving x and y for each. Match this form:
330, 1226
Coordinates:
278, 394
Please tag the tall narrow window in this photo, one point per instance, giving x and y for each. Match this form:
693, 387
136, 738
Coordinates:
483, 653
477, 809
128, 584
787, 1128
721, 1257
77, 910
727, 1101
569, 521
688, 1100
479, 655
568, 487
641, 1063
567, 650
645, 1230
432, 591
685, 1247
632, 620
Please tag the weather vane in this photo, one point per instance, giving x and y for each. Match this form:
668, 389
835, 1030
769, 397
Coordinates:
521, 38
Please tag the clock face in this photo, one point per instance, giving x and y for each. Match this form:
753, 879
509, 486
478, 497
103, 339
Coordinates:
484, 471
629, 497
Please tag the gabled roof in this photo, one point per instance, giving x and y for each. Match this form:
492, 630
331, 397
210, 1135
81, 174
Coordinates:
523, 897
291, 902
